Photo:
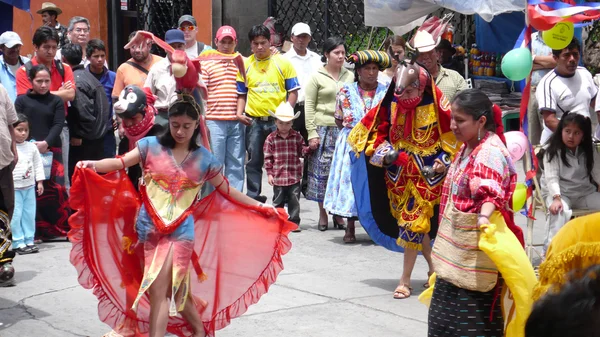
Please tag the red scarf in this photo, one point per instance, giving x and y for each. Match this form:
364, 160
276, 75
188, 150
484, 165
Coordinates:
141, 129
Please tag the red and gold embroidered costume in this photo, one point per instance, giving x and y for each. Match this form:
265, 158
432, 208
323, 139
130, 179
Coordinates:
419, 128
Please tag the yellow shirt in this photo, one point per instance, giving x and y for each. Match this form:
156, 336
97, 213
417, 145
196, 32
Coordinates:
268, 83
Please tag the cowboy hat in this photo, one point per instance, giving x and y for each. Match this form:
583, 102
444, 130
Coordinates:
49, 6
424, 42
284, 112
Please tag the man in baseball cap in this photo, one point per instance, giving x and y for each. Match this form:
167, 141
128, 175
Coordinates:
161, 82
226, 133
306, 62
188, 25
50, 13
10, 61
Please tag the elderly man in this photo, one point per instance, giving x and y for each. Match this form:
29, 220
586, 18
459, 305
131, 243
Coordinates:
305, 62
449, 81
79, 34
10, 62
187, 24
50, 13
160, 80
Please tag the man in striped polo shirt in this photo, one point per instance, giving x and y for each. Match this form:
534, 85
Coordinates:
226, 133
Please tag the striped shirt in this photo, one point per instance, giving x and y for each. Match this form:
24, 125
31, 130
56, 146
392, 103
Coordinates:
220, 79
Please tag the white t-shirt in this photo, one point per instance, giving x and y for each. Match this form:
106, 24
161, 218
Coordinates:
193, 52
305, 66
565, 94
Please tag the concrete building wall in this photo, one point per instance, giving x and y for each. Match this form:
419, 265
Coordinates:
93, 10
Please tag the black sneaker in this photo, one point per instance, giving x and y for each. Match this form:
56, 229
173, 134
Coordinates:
260, 198
24, 251
34, 248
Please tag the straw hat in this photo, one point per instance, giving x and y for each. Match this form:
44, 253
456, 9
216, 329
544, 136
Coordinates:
284, 112
49, 6
424, 42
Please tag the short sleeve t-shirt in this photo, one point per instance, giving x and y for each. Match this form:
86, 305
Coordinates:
561, 95
268, 82
129, 75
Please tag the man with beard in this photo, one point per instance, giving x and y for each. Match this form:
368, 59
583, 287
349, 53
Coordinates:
135, 70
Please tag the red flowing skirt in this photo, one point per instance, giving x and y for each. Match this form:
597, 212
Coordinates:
238, 247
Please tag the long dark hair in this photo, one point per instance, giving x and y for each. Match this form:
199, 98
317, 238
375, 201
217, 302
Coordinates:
330, 44
476, 104
185, 106
556, 144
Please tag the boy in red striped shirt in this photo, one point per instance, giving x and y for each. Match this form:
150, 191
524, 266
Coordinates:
226, 132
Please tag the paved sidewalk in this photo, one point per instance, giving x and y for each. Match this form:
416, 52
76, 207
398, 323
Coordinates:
327, 289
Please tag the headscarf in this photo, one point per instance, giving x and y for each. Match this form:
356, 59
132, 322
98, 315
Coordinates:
360, 58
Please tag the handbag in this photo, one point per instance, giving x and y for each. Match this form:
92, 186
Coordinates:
47, 162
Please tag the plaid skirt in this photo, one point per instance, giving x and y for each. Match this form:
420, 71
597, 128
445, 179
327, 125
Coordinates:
319, 163
457, 312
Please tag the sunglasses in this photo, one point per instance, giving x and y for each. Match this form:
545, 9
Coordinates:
187, 28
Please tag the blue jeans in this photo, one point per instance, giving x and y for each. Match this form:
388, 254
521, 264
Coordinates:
23, 220
110, 144
256, 134
227, 140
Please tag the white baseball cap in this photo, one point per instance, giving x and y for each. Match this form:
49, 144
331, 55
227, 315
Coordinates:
301, 28
10, 39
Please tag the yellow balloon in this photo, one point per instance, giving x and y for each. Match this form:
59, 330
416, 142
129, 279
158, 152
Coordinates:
519, 197
559, 36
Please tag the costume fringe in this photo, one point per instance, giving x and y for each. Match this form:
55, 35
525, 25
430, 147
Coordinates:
358, 137
410, 245
554, 272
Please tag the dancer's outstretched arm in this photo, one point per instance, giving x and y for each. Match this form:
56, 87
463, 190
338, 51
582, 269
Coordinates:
112, 164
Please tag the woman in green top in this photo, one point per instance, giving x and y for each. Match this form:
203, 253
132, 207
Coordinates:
321, 93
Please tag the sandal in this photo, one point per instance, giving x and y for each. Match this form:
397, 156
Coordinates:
338, 225
349, 237
426, 284
402, 291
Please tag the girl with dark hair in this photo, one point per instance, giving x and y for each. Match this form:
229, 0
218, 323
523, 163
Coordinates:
46, 114
571, 172
353, 101
28, 176
478, 187
394, 45
321, 91
172, 229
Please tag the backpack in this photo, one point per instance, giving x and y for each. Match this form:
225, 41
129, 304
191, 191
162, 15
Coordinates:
57, 63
